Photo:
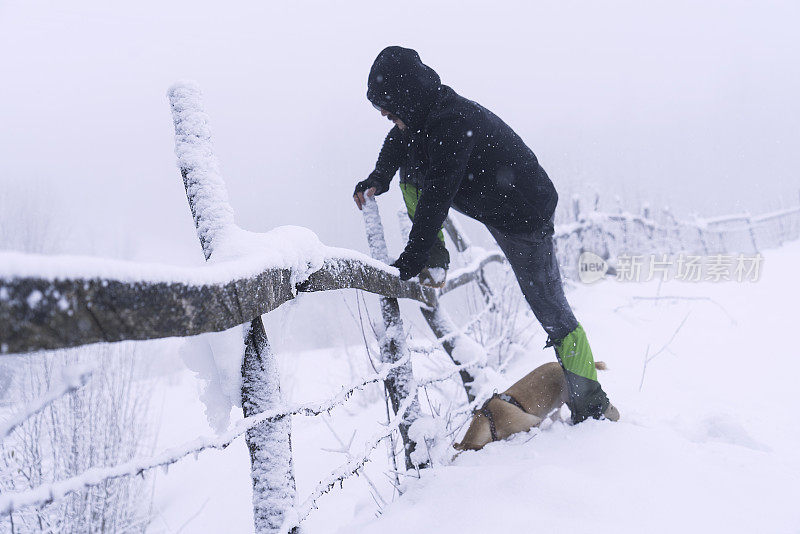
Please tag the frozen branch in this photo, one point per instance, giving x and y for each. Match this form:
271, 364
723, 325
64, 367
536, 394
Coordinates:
73, 379
459, 277
648, 358
456, 233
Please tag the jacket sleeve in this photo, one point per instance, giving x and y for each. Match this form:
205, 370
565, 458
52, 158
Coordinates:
449, 147
392, 154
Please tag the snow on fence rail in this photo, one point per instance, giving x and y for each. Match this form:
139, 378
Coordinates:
48, 303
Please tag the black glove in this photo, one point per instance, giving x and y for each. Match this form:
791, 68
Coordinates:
376, 180
410, 265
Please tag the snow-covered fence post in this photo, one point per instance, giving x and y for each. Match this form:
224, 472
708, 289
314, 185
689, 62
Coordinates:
453, 343
576, 207
673, 241
700, 225
269, 442
751, 232
781, 230
455, 233
625, 249
463, 245
400, 383
438, 319
647, 225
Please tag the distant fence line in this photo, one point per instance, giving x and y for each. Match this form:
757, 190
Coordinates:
613, 234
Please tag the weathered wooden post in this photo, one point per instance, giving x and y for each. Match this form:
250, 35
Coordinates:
751, 231
625, 248
270, 442
437, 318
576, 207
648, 227
671, 245
701, 225
400, 383
464, 245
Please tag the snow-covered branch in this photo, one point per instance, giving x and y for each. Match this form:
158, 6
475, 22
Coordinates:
73, 378
459, 277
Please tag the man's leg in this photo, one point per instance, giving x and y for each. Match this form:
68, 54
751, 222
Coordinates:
534, 263
439, 256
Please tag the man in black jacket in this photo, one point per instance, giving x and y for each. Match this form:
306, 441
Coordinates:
462, 155
396, 154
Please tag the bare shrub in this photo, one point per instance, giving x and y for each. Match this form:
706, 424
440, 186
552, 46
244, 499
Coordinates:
102, 424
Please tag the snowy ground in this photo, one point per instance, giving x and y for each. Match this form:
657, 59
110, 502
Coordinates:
709, 443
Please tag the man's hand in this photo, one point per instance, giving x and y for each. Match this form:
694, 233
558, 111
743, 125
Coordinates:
409, 265
358, 196
375, 184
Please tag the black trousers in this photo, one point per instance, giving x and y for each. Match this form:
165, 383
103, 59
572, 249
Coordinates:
533, 260
534, 263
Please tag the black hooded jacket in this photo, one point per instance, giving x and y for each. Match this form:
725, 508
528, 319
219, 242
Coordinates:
467, 157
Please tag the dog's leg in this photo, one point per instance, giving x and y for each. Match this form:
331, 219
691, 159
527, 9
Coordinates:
516, 421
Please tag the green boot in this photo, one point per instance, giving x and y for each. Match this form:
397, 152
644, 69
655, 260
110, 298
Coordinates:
586, 397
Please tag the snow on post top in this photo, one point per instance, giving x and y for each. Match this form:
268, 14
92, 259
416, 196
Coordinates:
205, 187
375, 237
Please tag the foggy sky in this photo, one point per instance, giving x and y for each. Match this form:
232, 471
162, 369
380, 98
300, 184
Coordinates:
681, 104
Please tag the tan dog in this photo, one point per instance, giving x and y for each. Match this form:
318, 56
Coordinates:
524, 405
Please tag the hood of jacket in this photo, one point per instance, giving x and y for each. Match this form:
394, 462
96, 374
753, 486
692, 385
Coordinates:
402, 84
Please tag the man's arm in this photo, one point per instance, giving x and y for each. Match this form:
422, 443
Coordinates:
449, 148
392, 154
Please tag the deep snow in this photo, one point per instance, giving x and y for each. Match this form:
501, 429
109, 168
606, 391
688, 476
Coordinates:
708, 444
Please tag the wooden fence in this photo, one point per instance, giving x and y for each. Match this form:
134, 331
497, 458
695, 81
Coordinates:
50, 303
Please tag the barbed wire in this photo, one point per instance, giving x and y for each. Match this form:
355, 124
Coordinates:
45, 494
48, 493
346, 470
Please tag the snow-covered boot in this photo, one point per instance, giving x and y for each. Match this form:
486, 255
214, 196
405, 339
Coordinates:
586, 397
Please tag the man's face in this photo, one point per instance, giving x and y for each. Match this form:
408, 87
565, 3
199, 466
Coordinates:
400, 124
